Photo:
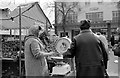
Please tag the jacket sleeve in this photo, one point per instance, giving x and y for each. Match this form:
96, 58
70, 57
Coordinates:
104, 52
36, 49
71, 51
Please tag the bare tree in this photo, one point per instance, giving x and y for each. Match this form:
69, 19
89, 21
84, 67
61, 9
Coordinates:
48, 8
64, 8
61, 10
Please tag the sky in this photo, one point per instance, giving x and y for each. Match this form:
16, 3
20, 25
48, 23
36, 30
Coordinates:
7, 3
11, 4
48, 12
4, 3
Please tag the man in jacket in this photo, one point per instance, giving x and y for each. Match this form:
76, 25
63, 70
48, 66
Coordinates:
88, 52
105, 42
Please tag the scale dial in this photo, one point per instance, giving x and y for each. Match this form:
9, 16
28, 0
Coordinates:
62, 45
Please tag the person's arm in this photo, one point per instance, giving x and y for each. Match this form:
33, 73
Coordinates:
37, 51
106, 46
104, 53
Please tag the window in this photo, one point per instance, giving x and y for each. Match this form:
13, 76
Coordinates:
75, 3
100, 1
114, 1
95, 16
115, 15
71, 17
87, 3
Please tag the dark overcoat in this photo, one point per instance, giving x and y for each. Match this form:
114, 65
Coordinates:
87, 49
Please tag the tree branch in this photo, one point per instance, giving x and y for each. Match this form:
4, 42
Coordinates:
69, 9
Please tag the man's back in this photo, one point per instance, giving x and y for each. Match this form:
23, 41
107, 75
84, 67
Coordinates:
88, 55
88, 50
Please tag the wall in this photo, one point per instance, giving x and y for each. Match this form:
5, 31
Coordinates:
106, 8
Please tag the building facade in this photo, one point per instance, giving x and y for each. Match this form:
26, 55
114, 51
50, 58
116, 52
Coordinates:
103, 16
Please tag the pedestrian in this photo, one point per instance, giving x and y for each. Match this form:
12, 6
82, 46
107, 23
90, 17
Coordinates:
112, 40
88, 52
116, 48
105, 42
35, 55
118, 31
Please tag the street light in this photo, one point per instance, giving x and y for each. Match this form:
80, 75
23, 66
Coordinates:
108, 23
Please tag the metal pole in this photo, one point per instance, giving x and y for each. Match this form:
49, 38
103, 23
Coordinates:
10, 32
109, 30
20, 41
55, 18
46, 26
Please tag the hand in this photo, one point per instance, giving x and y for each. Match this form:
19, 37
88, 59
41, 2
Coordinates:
54, 53
51, 53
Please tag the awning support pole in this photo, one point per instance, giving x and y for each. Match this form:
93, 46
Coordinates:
20, 41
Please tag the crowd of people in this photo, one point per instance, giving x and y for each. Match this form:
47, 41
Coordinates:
89, 49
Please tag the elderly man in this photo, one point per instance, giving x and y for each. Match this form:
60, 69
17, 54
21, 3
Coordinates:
88, 52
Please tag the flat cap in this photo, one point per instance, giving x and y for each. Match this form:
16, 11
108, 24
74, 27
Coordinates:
84, 24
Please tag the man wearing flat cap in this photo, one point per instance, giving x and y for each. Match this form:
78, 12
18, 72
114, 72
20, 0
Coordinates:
87, 50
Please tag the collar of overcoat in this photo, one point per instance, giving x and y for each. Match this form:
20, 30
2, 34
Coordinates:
86, 31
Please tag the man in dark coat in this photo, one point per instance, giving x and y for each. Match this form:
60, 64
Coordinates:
88, 50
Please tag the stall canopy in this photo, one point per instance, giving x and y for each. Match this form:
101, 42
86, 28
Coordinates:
30, 14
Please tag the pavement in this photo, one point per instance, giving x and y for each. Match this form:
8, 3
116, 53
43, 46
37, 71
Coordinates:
112, 65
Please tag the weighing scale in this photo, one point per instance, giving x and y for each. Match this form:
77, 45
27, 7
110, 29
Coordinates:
61, 68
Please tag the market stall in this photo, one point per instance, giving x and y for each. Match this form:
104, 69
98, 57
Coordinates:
22, 17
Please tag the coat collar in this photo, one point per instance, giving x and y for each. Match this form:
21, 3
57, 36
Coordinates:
86, 31
30, 36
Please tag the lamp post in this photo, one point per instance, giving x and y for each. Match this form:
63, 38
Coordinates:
56, 19
108, 30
